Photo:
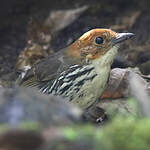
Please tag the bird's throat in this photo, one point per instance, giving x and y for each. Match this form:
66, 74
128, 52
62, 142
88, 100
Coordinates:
107, 59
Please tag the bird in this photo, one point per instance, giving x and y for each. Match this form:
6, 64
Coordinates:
80, 71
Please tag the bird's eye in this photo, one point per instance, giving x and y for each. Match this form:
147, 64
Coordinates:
99, 40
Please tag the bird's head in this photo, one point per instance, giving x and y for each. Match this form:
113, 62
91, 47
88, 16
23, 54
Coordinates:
96, 43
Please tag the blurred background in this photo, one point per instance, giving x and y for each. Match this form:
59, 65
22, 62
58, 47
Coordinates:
60, 22
30, 30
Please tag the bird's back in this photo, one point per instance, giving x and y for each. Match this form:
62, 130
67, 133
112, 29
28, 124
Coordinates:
43, 71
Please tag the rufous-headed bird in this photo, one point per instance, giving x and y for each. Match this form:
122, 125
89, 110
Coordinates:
80, 71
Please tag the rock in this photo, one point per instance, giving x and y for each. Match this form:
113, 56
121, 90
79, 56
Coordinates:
23, 107
145, 67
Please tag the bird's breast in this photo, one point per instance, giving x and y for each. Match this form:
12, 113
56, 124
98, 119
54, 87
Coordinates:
91, 90
81, 84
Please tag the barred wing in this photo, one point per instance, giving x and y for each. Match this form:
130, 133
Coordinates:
69, 81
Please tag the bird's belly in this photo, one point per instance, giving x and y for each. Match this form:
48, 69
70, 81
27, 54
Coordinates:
87, 94
91, 90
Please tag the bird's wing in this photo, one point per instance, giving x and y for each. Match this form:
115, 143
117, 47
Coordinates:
46, 70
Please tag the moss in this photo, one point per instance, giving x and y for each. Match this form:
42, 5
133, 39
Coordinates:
30, 126
122, 133
70, 134
24, 125
127, 134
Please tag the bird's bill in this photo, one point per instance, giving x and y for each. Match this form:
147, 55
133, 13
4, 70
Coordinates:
122, 37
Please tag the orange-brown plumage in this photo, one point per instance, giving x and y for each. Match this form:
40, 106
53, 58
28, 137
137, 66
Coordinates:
85, 46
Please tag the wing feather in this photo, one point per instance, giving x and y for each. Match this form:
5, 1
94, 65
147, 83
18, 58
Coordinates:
43, 71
